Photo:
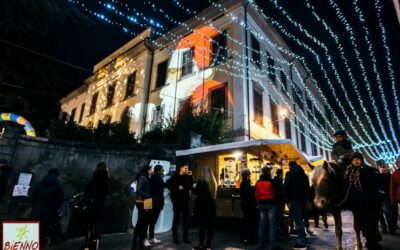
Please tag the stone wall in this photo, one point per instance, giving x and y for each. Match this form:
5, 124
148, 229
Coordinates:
76, 162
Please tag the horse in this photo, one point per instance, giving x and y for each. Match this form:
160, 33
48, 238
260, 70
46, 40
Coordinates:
331, 191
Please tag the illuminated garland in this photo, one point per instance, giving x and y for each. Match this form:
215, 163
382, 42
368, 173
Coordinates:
389, 65
327, 55
183, 24
300, 78
378, 78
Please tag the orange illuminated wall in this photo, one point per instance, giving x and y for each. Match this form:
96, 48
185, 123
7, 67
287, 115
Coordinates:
200, 41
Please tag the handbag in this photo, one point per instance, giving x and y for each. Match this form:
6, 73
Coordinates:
148, 203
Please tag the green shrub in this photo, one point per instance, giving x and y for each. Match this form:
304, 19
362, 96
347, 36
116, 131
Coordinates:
109, 133
210, 125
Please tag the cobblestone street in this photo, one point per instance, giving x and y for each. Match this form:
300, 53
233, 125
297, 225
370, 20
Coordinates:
322, 239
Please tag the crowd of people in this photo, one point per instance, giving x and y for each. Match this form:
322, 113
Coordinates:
372, 195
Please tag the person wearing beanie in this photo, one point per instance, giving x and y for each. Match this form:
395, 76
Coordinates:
296, 191
363, 198
157, 186
342, 149
267, 204
249, 208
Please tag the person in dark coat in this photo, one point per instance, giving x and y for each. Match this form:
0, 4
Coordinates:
143, 192
248, 204
296, 191
342, 149
96, 191
280, 204
387, 217
180, 185
47, 198
363, 199
204, 207
157, 186
5, 173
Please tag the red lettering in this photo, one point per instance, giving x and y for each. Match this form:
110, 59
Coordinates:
7, 245
18, 245
27, 246
35, 246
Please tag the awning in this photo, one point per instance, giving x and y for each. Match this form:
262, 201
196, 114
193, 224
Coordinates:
316, 160
280, 148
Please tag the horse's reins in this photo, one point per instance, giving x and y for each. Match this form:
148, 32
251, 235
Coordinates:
354, 178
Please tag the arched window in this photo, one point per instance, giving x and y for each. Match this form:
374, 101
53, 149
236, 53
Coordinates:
125, 119
106, 119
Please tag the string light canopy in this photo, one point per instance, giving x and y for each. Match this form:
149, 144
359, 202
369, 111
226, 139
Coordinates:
380, 145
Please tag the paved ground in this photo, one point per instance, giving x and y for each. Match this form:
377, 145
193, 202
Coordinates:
321, 240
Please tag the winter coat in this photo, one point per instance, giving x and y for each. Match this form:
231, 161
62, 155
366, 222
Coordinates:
47, 198
180, 196
204, 203
395, 187
296, 187
265, 190
342, 149
157, 191
369, 194
385, 185
143, 188
278, 187
97, 190
5, 173
247, 198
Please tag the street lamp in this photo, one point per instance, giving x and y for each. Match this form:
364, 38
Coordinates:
283, 113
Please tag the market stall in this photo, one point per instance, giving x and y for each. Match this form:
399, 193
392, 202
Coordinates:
230, 159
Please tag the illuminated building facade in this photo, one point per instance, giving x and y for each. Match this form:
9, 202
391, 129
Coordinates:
225, 62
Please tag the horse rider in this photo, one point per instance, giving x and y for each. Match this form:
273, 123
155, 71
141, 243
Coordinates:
342, 149
363, 198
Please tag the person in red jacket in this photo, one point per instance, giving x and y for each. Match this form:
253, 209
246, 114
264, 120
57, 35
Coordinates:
266, 199
395, 189
395, 184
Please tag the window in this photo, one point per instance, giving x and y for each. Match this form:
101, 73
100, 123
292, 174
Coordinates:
157, 115
302, 131
187, 63
110, 94
161, 73
219, 49
285, 87
288, 130
258, 107
106, 119
270, 68
184, 106
255, 50
90, 125
93, 104
321, 151
298, 97
218, 100
274, 117
130, 85
82, 112
314, 149
73, 112
125, 119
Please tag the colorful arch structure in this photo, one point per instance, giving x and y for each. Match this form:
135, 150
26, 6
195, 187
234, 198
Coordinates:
29, 130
